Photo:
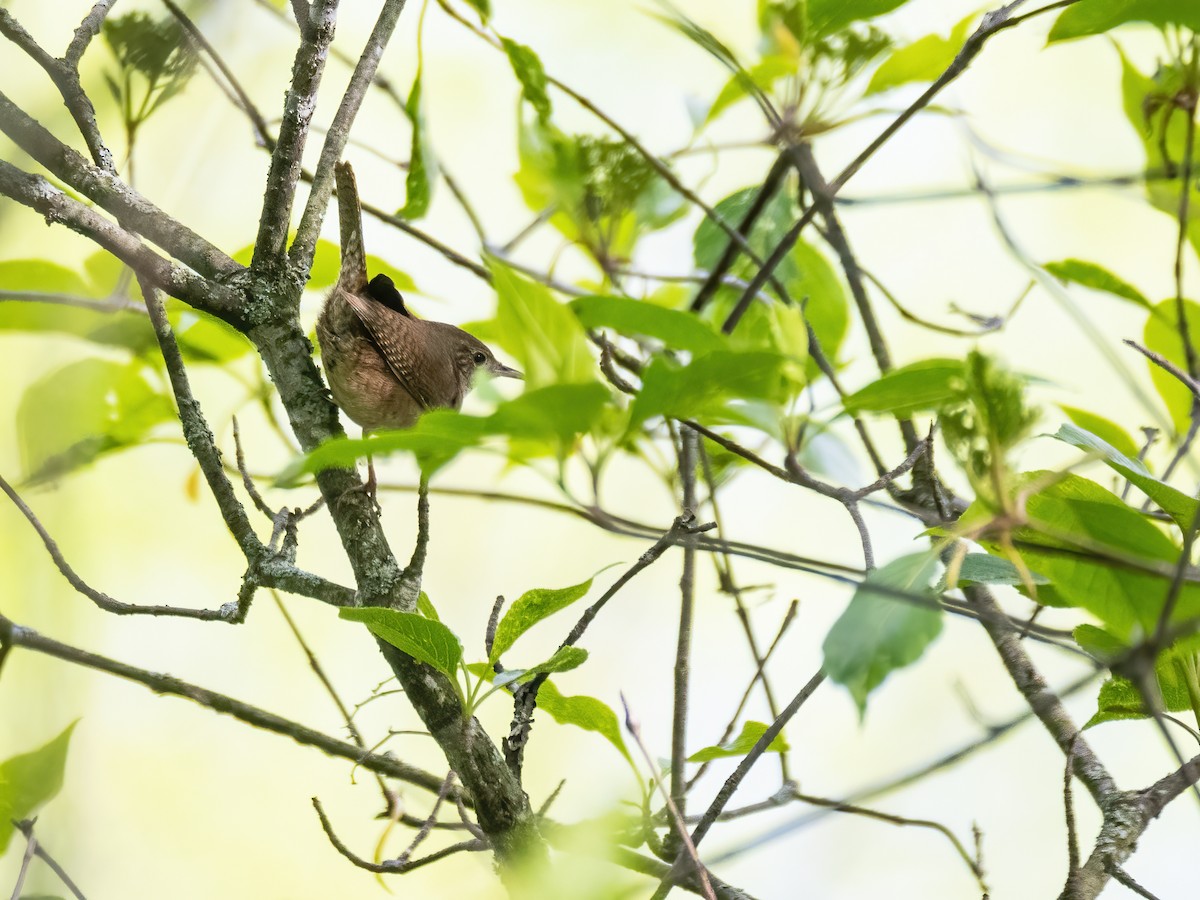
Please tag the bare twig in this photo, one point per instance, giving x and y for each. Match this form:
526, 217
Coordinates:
25, 826
391, 866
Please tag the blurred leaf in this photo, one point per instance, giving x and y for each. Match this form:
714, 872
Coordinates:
879, 632
678, 330
741, 745
72, 415
583, 712
159, 51
530, 608
829, 16
980, 568
203, 338
422, 166
425, 640
1097, 278
1103, 428
603, 192
1099, 16
701, 388
928, 384
539, 332
28, 781
1162, 336
529, 71
922, 60
558, 413
759, 78
483, 7
1178, 505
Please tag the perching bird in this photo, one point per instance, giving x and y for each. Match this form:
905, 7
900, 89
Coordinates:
384, 365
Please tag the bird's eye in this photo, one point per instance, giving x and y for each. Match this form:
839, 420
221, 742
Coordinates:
480, 358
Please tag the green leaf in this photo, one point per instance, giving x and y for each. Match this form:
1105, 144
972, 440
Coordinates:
425, 640
1099, 16
29, 781
422, 166
703, 387
69, 417
555, 415
1092, 547
483, 7
529, 71
830, 16
1097, 278
762, 76
539, 332
925, 385
878, 632
583, 712
564, 660
1162, 336
437, 437
530, 608
1105, 429
1178, 505
741, 745
677, 330
426, 608
203, 338
922, 60
981, 568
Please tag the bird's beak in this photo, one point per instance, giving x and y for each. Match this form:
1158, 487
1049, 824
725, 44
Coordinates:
498, 370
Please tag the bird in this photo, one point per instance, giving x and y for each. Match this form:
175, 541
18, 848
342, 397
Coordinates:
385, 366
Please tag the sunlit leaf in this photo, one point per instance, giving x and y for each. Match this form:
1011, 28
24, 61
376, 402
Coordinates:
422, 166
925, 385
703, 387
922, 60
677, 330
564, 660
1178, 505
741, 745
530, 608
72, 415
425, 640
1099, 16
880, 631
583, 712
1105, 429
829, 16
1162, 336
29, 781
529, 71
1097, 278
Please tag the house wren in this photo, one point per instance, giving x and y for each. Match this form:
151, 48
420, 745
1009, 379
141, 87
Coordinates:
384, 365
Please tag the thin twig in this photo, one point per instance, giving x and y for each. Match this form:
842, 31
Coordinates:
25, 826
393, 866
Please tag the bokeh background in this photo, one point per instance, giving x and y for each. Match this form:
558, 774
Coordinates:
166, 799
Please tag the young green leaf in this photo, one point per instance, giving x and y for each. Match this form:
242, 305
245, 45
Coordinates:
1162, 336
529, 609
564, 660
583, 712
1105, 429
922, 60
425, 640
29, 781
539, 332
1099, 16
701, 388
982, 568
1097, 278
529, 71
829, 16
1178, 505
426, 608
677, 330
741, 745
557, 413
68, 418
422, 166
891, 619
925, 385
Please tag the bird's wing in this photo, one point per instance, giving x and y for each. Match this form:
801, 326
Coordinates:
353, 274
385, 327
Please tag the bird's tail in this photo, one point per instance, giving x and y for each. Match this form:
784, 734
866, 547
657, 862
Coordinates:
353, 274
